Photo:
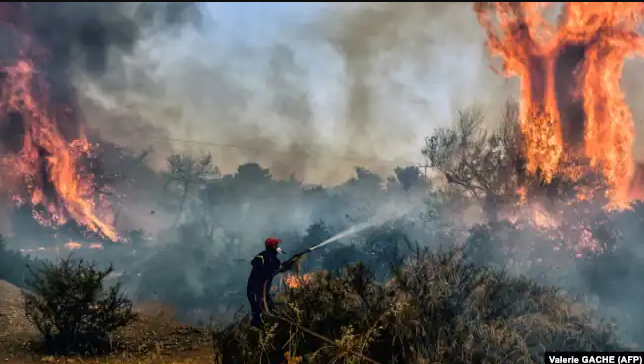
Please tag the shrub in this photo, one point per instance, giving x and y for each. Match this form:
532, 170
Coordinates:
71, 308
438, 308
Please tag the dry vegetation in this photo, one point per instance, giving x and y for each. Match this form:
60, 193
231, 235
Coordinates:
436, 308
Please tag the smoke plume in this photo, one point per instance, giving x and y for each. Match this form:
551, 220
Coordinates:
325, 90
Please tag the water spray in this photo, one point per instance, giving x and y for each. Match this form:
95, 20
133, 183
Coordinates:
348, 232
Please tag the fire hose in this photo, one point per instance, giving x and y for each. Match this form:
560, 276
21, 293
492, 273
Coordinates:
295, 258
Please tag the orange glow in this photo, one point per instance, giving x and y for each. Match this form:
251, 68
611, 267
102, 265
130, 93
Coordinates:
571, 105
297, 281
72, 245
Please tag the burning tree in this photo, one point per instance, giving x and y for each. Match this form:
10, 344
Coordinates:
43, 145
573, 116
565, 152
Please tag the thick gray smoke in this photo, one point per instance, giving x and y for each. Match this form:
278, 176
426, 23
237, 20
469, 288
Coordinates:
63, 39
312, 90
81, 35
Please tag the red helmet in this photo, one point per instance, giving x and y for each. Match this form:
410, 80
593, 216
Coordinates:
273, 243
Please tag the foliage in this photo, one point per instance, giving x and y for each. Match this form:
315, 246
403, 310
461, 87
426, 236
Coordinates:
488, 166
72, 309
437, 308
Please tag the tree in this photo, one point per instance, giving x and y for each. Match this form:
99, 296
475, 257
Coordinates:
103, 163
410, 177
207, 206
486, 165
185, 172
252, 174
365, 179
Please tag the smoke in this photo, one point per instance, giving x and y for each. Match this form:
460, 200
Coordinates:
305, 90
68, 37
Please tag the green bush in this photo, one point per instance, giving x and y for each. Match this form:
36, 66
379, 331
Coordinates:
72, 309
437, 309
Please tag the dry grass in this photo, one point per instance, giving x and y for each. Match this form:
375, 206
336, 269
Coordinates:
143, 343
196, 358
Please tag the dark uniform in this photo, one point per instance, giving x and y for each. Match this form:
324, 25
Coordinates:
265, 266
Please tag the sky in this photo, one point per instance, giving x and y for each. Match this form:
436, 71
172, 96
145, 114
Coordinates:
257, 23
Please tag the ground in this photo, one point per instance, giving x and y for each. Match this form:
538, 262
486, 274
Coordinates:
153, 338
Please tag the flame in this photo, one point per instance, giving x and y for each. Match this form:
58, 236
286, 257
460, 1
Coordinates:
543, 219
47, 169
574, 239
571, 106
297, 281
535, 215
72, 245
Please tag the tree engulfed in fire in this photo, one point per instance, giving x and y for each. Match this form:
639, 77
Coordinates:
572, 108
40, 166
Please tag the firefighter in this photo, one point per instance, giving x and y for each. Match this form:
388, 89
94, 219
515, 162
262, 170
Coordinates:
265, 266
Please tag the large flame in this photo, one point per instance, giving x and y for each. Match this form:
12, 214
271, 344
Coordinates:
45, 169
572, 108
